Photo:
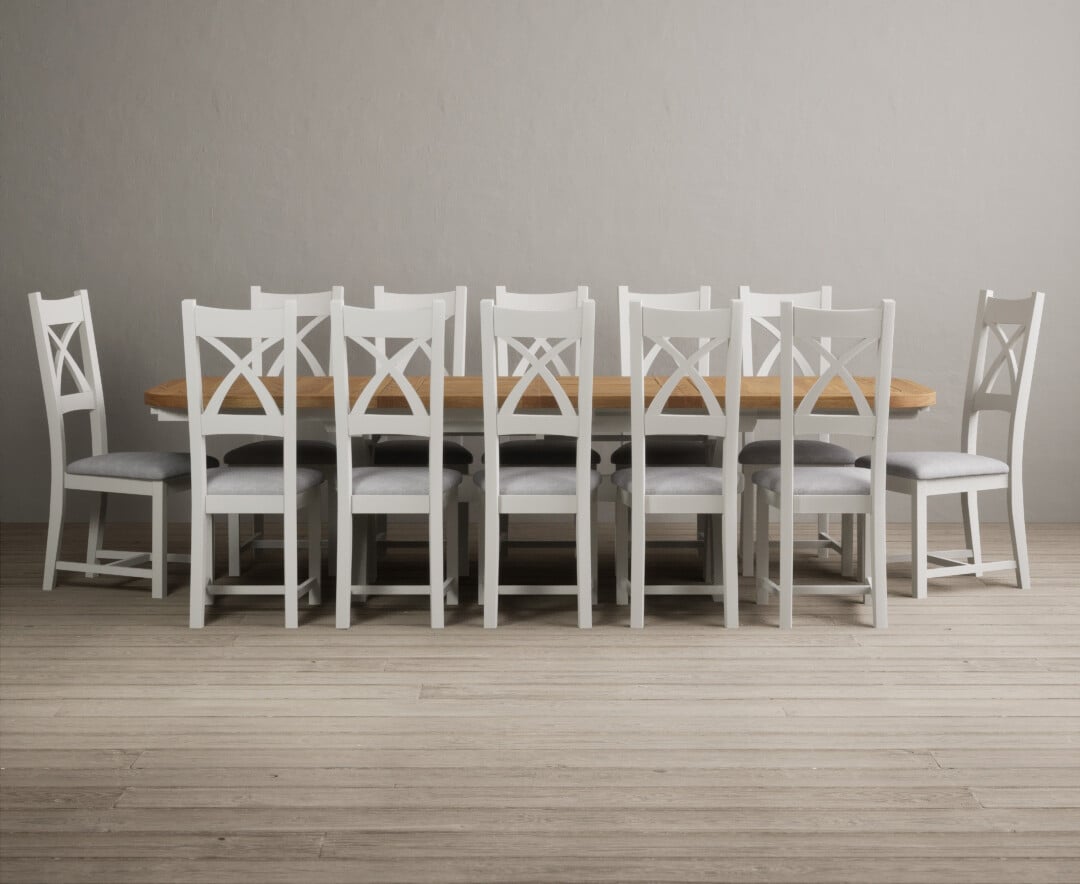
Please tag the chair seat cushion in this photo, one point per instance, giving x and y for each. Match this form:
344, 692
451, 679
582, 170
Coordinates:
666, 451
688, 479
808, 453
267, 453
938, 465
258, 480
414, 452
399, 480
537, 480
146, 466
551, 451
818, 480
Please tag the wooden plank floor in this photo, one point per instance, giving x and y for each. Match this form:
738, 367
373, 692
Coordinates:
946, 748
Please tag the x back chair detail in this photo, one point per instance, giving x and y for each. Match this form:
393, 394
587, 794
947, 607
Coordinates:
1014, 325
312, 311
368, 491
661, 449
538, 488
280, 489
695, 488
791, 488
760, 317
404, 452
549, 450
58, 324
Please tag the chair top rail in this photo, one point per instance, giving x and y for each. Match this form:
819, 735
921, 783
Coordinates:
762, 311
454, 302
698, 299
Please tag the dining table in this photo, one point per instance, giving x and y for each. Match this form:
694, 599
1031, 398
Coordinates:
463, 397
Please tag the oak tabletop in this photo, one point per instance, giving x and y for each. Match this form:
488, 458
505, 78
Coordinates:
609, 392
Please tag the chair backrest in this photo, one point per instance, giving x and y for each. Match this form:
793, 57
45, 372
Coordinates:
313, 308
507, 409
357, 407
70, 381
687, 337
865, 334
695, 300
546, 301
254, 331
761, 315
1014, 325
454, 304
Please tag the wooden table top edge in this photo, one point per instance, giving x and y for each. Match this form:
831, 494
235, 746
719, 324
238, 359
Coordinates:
609, 391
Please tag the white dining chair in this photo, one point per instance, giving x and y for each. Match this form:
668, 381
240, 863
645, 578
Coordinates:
760, 320
548, 449
412, 452
558, 489
1014, 326
646, 488
368, 491
666, 450
662, 450
283, 489
71, 381
313, 316
794, 489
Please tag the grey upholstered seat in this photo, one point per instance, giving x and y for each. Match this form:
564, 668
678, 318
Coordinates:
414, 453
399, 480
258, 480
537, 480
688, 479
551, 451
938, 465
146, 466
808, 452
818, 480
267, 453
667, 451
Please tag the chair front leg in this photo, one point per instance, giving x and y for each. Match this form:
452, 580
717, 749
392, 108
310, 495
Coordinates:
730, 567
435, 563
637, 567
583, 529
197, 592
787, 568
291, 580
343, 600
879, 580
492, 540
918, 542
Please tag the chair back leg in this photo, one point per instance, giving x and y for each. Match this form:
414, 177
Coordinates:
159, 540
56, 526
1019, 533
969, 508
96, 530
